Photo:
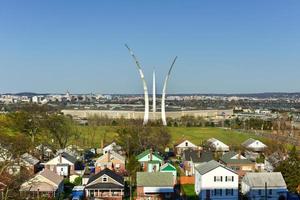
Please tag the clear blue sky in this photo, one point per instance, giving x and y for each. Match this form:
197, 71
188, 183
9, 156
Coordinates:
223, 46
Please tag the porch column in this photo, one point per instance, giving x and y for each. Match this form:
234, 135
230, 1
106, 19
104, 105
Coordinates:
110, 193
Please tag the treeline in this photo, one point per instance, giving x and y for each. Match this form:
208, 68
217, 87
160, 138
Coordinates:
191, 121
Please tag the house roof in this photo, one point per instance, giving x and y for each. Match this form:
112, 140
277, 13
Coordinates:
146, 152
167, 167
114, 154
258, 180
29, 159
69, 157
209, 166
183, 142
206, 156
52, 176
104, 186
155, 179
227, 158
248, 142
109, 173
191, 155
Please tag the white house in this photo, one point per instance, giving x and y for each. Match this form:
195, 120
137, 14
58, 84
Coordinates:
254, 145
217, 145
184, 145
215, 181
63, 164
111, 147
262, 185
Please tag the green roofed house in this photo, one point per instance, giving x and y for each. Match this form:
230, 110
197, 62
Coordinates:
237, 162
155, 185
168, 167
150, 161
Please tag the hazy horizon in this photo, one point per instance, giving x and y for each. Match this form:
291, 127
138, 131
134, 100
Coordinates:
225, 47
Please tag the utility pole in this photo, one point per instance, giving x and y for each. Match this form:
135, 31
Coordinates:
266, 191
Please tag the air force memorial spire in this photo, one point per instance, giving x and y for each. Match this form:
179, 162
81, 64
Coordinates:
146, 94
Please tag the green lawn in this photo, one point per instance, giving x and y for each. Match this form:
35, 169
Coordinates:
194, 134
189, 191
198, 135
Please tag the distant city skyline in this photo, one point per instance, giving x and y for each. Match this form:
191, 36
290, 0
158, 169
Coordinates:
222, 46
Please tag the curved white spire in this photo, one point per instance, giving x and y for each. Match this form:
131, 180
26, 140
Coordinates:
154, 94
163, 99
146, 96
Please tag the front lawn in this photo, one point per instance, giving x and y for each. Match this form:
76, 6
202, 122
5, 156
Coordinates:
189, 192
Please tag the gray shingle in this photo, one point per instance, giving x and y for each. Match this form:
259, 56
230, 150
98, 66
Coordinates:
155, 179
258, 180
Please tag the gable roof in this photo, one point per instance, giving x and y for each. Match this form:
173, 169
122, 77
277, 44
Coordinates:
184, 141
167, 167
217, 142
69, 157
109, 173
227, 158
209, 166
146, 152
248, 142
29, 159
113, 154
52, 176
258, 180
155, 179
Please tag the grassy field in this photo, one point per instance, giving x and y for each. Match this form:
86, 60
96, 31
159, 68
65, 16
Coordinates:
194, 134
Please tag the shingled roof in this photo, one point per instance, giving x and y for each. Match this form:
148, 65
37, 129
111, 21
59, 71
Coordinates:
109, 173
227, 158
258, 180
209, 166
155, 179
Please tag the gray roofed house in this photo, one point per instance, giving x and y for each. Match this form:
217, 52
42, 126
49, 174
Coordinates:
258, 180
105, 185
30, 162
254, 145
258, 185
237, 162
209, 166
234, 158
29, 159
45, 184
155, 185
155, 179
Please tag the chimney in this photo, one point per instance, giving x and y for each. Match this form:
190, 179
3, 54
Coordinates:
60, 158
102, 145
151, 154
108, 156
239, 155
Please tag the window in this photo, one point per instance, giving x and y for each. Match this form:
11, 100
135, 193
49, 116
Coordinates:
186, 144
229, 192
104, 179
218, 192
218, 178
270, 191
229, 178
259, 192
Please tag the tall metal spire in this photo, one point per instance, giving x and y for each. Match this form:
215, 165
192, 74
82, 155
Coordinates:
163, 99
154, 94
146, 96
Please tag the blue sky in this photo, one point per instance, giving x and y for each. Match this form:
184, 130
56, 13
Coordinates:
230, 46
